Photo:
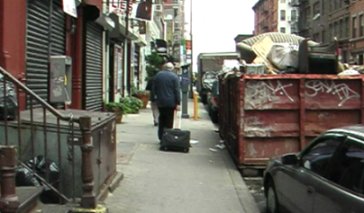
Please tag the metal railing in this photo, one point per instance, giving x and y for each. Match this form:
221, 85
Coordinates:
41, 130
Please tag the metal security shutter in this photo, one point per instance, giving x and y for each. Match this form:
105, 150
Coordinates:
93, 69
58, 33
45, 37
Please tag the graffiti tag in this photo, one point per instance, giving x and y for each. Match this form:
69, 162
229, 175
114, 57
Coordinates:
341, 90
261, 93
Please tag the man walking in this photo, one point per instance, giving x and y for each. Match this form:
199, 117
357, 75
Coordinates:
153, 103
167, 94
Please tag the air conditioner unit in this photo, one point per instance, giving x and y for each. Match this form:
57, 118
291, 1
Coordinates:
158, 8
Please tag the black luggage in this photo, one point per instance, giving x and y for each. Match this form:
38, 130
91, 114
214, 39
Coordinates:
176, 139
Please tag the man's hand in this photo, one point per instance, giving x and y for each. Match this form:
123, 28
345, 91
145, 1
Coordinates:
178, 108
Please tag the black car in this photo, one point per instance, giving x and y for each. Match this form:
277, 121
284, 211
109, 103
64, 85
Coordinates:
327, 176
213, 102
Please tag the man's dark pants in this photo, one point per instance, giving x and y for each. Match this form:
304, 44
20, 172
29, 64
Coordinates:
166, 115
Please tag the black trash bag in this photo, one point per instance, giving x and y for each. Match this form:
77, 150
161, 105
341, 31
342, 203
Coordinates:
8, 100
24, 177
42, 166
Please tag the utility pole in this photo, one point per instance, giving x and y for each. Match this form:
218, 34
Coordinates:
191, 66
126, 50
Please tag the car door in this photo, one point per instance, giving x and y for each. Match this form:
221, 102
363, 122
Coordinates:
343, 191
295, 185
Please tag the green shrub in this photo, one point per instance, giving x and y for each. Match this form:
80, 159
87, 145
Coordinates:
114, 106
131, 104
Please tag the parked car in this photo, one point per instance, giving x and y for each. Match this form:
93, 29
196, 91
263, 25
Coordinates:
326, 176
207, 80
213, 101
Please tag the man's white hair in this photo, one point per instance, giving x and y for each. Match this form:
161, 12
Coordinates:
168, 66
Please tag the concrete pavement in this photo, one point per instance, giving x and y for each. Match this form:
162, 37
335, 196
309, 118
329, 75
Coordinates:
203, 180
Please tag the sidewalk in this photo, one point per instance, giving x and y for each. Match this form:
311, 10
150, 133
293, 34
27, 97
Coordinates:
203, 180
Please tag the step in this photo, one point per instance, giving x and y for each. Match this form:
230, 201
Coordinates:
53, 208
28, 197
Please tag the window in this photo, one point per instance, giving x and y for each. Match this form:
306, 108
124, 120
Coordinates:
323, 36
323, 8
318, 157
342, 28
293, 15
283, 15
316, 8
361, 25
283, 30
347, 27
353, 27
348, 169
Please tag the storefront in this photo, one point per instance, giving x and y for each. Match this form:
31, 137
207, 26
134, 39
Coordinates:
45, 36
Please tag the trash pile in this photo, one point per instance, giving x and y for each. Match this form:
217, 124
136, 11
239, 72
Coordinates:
8, 100
278, 53
37, 171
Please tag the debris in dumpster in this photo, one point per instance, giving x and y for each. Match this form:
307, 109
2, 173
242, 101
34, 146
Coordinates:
284, 56
280, 53
349, 72
317, 59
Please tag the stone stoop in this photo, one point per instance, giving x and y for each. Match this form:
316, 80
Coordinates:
30, 203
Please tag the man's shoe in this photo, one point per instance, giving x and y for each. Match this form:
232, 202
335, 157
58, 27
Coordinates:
155, 124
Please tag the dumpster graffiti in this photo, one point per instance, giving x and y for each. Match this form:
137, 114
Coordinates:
261, 94
342, 91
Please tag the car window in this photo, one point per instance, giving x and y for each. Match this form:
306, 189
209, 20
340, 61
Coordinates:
318, 156
348, 170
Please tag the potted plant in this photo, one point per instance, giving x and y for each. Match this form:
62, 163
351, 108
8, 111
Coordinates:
117, 108
143, 95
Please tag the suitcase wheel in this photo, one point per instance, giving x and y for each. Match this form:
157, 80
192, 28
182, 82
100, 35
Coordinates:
186, 150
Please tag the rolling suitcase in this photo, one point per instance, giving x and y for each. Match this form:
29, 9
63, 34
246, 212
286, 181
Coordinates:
176, 139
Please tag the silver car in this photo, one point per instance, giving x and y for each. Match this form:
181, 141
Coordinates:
327, 176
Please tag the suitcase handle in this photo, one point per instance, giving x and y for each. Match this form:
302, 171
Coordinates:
177, 119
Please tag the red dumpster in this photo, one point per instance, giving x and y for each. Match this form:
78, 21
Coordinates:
262, 116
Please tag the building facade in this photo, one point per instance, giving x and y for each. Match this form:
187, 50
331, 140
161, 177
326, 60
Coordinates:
329, 23
356, 42
105, 45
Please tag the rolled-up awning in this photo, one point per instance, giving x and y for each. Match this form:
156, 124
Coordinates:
96, 3
106, 22
120, 32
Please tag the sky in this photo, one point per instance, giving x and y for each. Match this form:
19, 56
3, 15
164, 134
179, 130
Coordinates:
215, 24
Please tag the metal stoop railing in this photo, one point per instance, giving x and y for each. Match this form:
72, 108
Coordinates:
40, 130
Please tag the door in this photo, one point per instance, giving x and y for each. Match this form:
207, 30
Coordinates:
296, 186
92, 84
344, 189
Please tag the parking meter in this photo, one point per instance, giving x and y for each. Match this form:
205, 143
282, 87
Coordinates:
185, 84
